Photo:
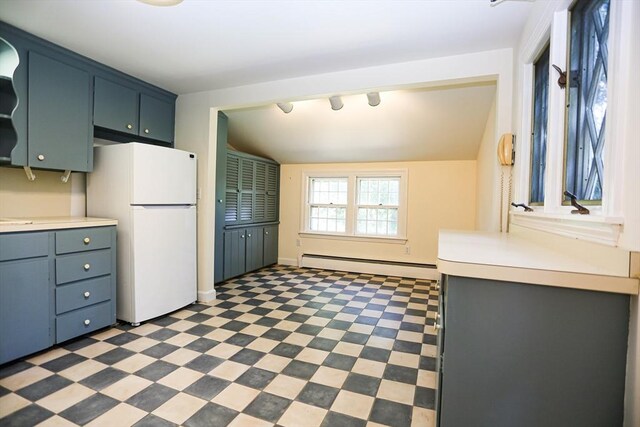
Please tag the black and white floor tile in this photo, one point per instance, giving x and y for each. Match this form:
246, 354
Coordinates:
282, 346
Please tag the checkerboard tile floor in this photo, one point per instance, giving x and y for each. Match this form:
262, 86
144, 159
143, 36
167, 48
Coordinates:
282, 346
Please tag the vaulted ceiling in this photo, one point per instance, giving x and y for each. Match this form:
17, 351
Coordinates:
441, 123
203, 45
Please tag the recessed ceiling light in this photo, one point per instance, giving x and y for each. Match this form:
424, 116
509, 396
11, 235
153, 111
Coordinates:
161, 2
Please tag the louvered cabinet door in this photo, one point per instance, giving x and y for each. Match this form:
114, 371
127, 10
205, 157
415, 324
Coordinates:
260, 201
232, 191
273, 173
247, 185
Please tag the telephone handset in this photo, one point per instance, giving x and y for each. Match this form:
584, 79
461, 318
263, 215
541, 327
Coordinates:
506, 151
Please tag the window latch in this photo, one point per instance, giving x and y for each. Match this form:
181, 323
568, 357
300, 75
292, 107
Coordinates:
562, 80
522, 205
579, 209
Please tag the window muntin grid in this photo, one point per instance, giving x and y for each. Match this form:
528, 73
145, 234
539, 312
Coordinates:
378, 200
328, 199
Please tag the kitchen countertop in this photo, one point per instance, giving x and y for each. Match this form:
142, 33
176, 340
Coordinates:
13, 225
512, 257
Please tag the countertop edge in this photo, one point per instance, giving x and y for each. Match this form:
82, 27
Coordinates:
562, 279
44, 226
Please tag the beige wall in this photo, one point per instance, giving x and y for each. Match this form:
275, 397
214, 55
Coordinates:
441, 195
46, 196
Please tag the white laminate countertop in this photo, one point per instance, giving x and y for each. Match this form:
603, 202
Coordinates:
13, 225
511, 257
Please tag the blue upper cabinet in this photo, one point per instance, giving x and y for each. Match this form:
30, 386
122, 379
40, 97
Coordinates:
115, 107
55, 101
156, 118
125, 113
60, 132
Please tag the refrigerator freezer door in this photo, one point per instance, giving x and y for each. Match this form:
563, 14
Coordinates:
162, 176
164, 259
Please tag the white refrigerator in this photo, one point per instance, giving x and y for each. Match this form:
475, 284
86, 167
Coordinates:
151, 191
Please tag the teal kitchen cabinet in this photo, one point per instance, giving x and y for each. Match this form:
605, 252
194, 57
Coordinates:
128, 111
517, 354
54, 286
249, 249
54, 102
25, 295
270, 251
254, 254
59, 105
115, 107
157, 118
235, 245
246, 214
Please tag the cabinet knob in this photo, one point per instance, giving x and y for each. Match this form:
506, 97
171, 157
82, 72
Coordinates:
86, 295
242, 236
86, 240
437, 326
249, 235
87, 267
219, 200
146, 131
41, 157
87, 322
129, 126
266, 232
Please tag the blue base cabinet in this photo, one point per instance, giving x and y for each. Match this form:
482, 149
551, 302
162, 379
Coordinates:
515, 354
54, 286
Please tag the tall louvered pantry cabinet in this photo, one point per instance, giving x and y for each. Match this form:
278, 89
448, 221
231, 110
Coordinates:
247, 199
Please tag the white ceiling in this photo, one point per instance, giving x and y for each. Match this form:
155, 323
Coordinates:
203, 45
445, 123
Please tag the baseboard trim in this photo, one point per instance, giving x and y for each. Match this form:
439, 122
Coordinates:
427, 272
288, 261
206, 296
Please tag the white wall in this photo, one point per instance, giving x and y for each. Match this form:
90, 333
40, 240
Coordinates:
199, 134
487, 181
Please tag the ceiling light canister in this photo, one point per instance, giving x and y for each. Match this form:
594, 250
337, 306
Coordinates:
374, 98
336, 103
161, 2
286, 107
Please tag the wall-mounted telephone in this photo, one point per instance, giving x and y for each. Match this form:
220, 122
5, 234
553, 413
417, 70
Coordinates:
506, 151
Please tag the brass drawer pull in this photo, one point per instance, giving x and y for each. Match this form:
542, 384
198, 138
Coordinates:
87, 267
86, 240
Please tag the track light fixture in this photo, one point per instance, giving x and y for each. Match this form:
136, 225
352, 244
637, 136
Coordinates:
286, 107
336, 103
374, 98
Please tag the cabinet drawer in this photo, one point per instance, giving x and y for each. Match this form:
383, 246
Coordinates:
83, 239
78, 322
23, 245
82, 294
71, 268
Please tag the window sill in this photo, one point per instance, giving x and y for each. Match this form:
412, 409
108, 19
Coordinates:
593, 228
370, 239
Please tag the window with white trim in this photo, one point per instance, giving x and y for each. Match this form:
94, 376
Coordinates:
328, 204
356, 203
378, 202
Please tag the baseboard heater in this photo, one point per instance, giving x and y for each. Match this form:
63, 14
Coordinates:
370, 266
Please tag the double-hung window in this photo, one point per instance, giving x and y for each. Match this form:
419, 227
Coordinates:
356, 203
378, 202
328, 204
